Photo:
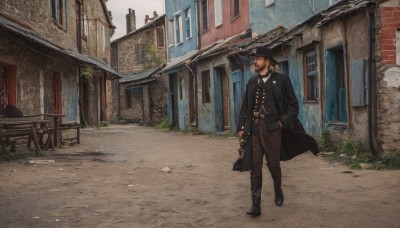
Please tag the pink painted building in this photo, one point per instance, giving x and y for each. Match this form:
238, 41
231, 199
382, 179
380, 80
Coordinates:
219, 21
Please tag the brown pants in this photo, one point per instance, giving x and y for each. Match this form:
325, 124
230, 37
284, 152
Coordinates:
269, 143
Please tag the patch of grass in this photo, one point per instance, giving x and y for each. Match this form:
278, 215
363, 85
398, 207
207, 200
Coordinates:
103, 124
357, 155
325, 143
163, 124
192, 130
388, 161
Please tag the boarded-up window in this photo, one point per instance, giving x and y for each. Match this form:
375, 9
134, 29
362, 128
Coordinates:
310, 76
205, 86
8, 86
359, 82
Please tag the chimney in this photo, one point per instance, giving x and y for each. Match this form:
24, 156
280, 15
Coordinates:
146, 19
155, 15
130, 21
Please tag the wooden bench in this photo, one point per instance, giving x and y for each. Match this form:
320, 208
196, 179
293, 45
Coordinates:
71, 125
33, 126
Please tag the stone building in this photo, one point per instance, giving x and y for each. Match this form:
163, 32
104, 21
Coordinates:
44, 53
138, 56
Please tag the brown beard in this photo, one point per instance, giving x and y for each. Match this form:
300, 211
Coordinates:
259, 68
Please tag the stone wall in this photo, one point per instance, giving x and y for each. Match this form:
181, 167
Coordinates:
37, 15
388, 109
158, 99
34, 83
124, 56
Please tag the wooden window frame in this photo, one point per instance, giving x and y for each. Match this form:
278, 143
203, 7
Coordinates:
188, 23
204, 15
58, 11
160, 37
235, 9
309, 72
178, 27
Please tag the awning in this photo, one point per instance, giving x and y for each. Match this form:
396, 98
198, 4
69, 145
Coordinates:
32, 36
140, 78
178, 62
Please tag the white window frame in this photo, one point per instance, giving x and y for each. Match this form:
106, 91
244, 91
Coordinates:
188, 18
218, 10
171, 36
85, 22
178, 18
102, 37
269, 3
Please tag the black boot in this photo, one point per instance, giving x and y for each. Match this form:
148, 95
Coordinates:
256, 184
277, 178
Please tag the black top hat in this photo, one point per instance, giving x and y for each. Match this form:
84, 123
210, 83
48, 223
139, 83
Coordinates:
264, 52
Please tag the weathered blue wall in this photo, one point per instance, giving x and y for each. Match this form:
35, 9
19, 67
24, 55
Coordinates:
69, 98
283, 12
183, 104
309, 112
178, 6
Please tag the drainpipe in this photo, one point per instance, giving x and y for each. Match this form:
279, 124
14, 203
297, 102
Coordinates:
197, 24
372, 115
195, 92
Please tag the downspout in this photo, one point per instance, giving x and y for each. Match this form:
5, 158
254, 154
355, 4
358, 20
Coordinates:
372, 115
195, 91
198, 24
195, 64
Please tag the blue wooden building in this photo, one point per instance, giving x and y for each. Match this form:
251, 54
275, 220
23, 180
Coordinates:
182, 46
222, 68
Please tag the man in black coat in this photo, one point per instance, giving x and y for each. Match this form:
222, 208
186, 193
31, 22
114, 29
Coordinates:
268, 120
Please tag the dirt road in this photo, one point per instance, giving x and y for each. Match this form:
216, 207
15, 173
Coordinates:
114, 179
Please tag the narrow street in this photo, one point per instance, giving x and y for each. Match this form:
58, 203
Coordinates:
114, 179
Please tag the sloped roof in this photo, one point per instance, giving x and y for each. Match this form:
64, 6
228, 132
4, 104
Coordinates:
177, 62
139, 76
29, 35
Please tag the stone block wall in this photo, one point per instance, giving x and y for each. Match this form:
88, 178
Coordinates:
388, 109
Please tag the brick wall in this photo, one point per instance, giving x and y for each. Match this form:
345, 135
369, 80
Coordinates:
390, 22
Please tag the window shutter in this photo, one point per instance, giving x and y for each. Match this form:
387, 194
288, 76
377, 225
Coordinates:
358, 72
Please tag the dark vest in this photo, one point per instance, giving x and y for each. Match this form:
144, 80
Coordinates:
264, 106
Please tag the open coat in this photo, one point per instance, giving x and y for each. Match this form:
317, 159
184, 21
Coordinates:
294, 139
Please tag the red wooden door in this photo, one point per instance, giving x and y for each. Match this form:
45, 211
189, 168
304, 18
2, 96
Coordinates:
57, 93
8, 86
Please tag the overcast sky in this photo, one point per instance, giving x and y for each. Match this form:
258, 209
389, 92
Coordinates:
119, 9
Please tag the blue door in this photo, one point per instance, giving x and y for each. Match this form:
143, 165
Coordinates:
237, 93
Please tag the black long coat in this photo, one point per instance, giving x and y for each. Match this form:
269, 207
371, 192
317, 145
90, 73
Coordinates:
294, 139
